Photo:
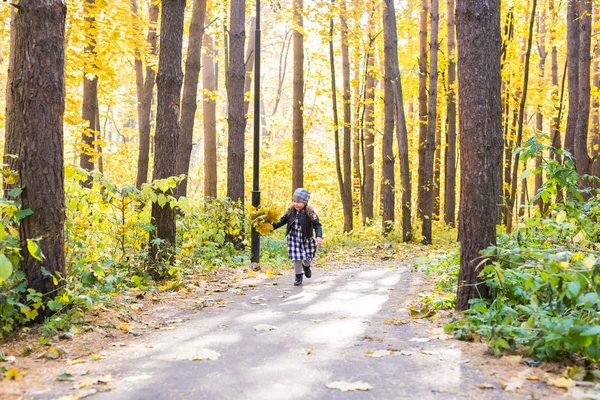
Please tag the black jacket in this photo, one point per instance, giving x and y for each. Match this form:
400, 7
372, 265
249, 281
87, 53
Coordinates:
305, 222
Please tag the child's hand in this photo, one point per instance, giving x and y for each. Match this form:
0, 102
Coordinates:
319, 241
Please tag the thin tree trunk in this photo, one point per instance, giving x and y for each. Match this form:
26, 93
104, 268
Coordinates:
539, 117
387, 153
12, 138
100, 140
347, 149
554, 128
595, 130
582, 158
422, 187
336, 134
190, 91
369, 137
90, 92
357, 131
249, 65
513, 192
209, 105
168, 82
236, 119
145, 101
298, 98
283, 56
573, 18
450, 152
35, 128
479, 81
427, 146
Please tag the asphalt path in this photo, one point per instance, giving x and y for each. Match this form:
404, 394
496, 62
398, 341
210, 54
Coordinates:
348, 324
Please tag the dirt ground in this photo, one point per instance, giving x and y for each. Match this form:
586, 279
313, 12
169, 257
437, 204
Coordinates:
83, 364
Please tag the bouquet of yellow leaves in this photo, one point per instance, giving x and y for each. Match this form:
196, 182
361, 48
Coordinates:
262, 218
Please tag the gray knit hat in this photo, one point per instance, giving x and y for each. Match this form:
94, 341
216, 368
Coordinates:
302, 195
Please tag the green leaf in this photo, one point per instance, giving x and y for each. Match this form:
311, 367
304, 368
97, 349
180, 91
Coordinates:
161, 200
573, 288
591, 298
98, 270
594, 330
19, 215
15, 192
34, 249
6, 268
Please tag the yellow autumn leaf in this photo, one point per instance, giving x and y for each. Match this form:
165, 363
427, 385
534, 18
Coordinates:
563, 383
13, 374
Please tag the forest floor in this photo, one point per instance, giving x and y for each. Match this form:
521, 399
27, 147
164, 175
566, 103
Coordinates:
237, 334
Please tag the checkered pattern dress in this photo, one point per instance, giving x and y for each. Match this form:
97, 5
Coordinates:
300, 248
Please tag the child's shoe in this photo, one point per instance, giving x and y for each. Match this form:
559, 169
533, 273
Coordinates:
306, 267
298, 280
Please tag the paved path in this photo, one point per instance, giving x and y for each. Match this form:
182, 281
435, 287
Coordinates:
338, 316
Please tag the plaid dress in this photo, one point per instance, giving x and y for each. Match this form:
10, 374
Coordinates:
299, 247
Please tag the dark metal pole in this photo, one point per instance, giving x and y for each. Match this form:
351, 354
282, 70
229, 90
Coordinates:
255, 257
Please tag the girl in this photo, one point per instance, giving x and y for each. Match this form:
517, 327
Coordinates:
301, 220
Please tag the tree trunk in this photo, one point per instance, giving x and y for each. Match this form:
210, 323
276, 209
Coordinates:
573, 18
236, 119
450, 152
90, 91
298, 98
209, 105
539, 117
347, 149
249, 65
513, 191
357, 132
190, 91
595, 131
427, 146
283, 56
168, 83
369, 137
336, 134
12, 138
479, 81
35, 127
582, 159
554, 128
422, 186
401, 132
145, 101
387, 153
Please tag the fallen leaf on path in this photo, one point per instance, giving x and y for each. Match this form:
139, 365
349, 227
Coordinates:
306, 352
419, 313
576, 373
514, 359
80, 395
259, 298
13, 374
206, 354
394, 321
379, 353
349, 386
485, 386
564, 383
406, 353
264, 328
73, 362
516, 382
65, 377
420, 339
